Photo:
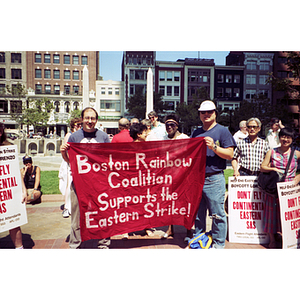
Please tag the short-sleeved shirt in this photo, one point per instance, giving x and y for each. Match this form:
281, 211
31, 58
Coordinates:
223, 138
122, 136
157, 133
251, 155
81, 136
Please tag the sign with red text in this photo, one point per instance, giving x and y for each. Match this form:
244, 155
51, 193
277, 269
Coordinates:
126, 187
12, 211
245, 209
289, 201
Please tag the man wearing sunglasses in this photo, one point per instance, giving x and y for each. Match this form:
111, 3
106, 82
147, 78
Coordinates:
220, 147
251, 151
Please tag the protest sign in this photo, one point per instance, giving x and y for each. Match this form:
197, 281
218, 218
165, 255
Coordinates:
126, 187
245, 209
12, 211
289, 201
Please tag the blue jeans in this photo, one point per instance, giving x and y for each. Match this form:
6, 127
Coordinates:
213, 196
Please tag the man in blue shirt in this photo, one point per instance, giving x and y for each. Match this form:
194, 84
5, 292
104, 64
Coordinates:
220, 147
87, 134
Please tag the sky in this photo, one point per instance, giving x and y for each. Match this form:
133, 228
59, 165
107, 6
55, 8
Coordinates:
111, 61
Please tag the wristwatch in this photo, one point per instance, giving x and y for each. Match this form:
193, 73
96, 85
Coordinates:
215, 147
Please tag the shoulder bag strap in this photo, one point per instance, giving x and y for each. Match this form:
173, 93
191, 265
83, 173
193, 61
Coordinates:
289, 162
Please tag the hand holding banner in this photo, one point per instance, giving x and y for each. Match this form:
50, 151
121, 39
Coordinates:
127, 187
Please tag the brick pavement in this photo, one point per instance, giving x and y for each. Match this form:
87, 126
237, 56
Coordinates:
47, 229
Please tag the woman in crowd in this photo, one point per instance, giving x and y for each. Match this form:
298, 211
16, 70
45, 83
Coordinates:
31, 176
276, 160
15, 233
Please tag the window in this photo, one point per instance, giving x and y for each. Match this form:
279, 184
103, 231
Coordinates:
264, 65
169, 76
162, 90
193, 76
228, 78
16, 73
38, 88
171, 105
282, 60
251, 65
76, 89
47, 73
161, 75
56, 74
110, 105
282, 74
56, 89
3, 106
131, 89
67, 106
66, 59
67, 74
2, 57
76, 105
131, 74
220, 78
264, 93
176, 90
16, 58
204, 78
250, 79
38, 57
38, 73
47, 89
169, 91
236, 92
176, 76
56, 58
56, 105
47, 59
84, 60
236, 78
109, 91
228, 92
76, 75
75, 60
67, 89
140, 75
250, 94
117, 91
220, 92
263, 79
2, 73
103, 91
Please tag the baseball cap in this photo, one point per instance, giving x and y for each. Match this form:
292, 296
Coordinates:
207, 105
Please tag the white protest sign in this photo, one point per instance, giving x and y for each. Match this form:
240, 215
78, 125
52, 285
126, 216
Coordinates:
12, 211
289, 201
245, 209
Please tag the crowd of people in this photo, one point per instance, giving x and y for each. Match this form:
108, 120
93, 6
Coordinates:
249, 155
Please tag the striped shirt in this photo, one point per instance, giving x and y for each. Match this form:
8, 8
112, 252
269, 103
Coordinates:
251, 155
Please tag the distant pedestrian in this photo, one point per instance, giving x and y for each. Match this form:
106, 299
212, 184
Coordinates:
123, 135
242, 133
273, 134
158, 129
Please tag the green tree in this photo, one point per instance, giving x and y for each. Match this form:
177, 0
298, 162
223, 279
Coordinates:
137, 105
76, 113
188, 113
37, 112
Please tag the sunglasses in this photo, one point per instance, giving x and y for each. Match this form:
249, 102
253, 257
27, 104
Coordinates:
254, 127
173, 125
27, 161
206, 111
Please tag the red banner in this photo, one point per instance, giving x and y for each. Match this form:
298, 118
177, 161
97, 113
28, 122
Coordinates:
127, 187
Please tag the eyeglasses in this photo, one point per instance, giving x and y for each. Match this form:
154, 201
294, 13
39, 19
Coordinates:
90, 118
173, 125
206, 111
254, 127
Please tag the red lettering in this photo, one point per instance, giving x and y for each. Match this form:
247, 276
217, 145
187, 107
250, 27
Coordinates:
2, 208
